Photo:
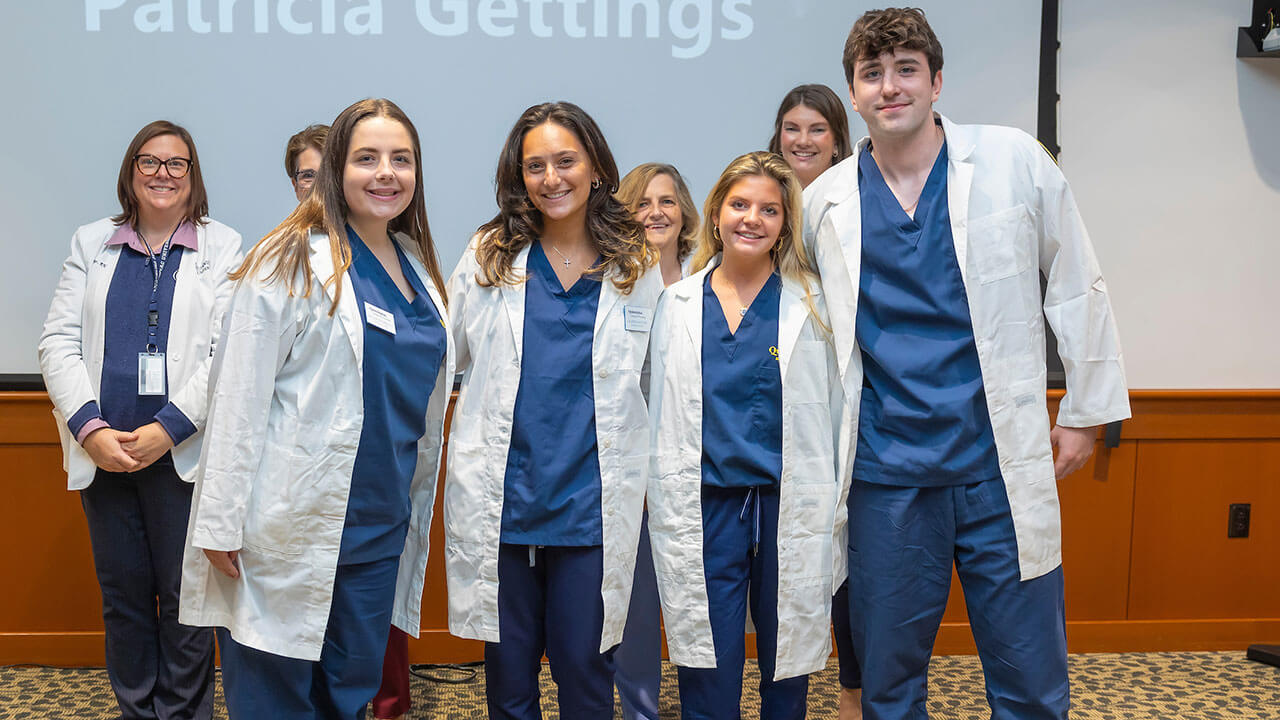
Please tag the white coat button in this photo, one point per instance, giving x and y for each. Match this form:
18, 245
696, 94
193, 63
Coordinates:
607, 444
603, 373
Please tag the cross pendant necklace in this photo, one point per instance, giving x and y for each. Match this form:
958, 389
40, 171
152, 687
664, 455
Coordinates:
567, 261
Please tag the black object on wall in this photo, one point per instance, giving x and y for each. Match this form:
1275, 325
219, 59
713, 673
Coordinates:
1249, 39
1047, 134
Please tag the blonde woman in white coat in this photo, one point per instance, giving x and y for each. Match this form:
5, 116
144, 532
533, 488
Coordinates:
746, 411
308, 536
125, 357
548, 450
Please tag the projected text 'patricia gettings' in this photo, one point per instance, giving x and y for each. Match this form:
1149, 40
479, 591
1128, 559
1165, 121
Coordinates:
691, 24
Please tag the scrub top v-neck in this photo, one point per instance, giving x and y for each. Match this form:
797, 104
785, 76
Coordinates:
923, 420
741, 392
551, 491
400, 371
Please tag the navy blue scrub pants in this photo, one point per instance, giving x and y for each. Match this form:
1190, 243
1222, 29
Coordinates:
158, 668
902, 542
549, 601
850, 670
740, 557
638, 660
259, 684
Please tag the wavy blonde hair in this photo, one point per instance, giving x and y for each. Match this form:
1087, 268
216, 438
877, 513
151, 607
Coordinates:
788, 253
631, 192
284, 254
617, 236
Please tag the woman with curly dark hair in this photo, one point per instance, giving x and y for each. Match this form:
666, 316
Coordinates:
549, 445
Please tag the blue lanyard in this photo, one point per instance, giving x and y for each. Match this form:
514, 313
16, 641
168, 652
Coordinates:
157, 271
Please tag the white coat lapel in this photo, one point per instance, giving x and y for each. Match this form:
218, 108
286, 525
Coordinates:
102, 267
513, 298
691, 292
187, 275
792, 312
846, 221
348, 312
959, 183
411, 252
609, 297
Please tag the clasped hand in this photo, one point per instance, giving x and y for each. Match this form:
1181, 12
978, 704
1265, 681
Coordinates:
116, 451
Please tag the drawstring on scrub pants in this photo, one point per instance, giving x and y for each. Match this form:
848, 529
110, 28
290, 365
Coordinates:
753, 494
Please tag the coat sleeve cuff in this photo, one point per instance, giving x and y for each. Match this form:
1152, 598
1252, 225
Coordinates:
209, 540
176, 423
87, 419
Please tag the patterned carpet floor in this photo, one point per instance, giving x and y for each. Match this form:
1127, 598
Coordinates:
1131, 686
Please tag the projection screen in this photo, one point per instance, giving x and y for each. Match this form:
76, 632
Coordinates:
689, 82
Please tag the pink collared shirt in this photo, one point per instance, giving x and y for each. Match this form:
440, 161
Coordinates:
185, 236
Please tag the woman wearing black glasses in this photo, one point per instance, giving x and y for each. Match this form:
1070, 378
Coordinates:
125, 357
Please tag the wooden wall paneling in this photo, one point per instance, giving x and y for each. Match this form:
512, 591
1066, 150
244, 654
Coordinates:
435, 644
1203, 414
1186, 455
1184, 565
51, 610
1097, 526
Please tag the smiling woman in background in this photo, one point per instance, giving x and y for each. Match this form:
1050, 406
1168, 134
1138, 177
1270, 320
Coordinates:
309, 531
125, 356
657, 196
811, 131
659, 200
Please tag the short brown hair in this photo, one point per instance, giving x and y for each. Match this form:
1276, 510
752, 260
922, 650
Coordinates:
311, 136
881, 31
197, 204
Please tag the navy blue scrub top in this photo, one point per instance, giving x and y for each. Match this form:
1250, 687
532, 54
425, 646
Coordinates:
124, 336
923, 420
400, 373
741, 392
551, 492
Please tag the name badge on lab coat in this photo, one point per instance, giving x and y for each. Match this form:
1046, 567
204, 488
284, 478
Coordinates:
150, 373
637, 319
380, 318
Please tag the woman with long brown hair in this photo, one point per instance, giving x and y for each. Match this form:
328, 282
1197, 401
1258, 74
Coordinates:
309, 531
548, 450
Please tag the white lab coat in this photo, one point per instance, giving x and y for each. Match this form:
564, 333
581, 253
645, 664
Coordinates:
815, 456
284, 426
71, 345
1012, 217
488, 329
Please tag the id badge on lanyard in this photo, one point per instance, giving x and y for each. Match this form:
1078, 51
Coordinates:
151, 368
151, 373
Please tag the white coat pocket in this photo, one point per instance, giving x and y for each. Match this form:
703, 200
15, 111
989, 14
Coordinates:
999, 244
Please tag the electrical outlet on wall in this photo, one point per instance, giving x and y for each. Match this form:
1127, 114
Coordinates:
1238, 520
